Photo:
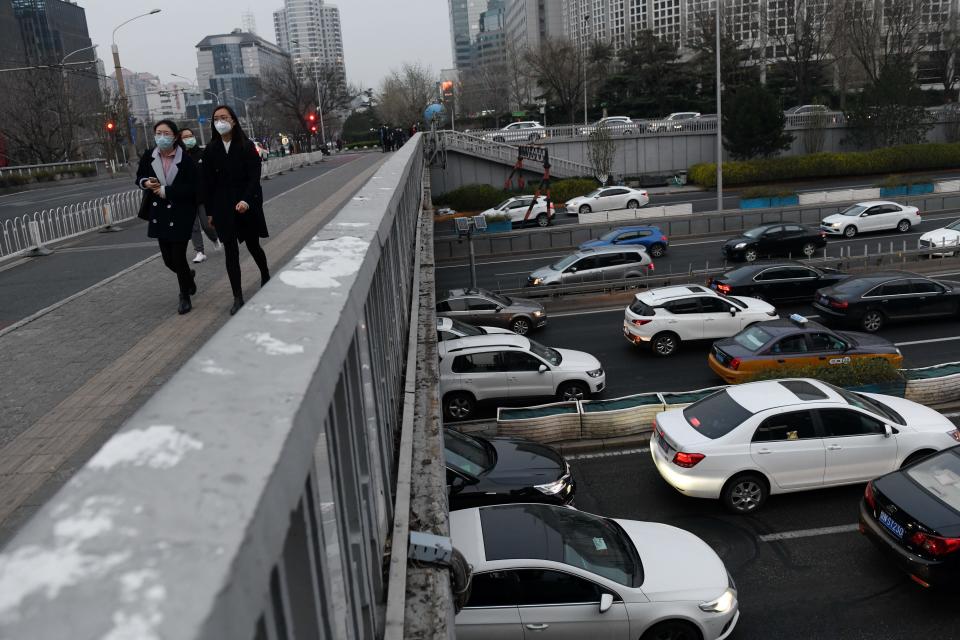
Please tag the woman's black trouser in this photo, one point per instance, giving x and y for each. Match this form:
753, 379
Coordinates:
231, 251
175, 257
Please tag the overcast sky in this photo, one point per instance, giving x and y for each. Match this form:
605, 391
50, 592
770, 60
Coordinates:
378, 35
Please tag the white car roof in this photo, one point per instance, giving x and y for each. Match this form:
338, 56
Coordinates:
662, 294
770, 394
873, 203
469, 344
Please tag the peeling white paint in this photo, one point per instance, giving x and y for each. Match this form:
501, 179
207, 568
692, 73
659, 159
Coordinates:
140, 590
352, 224
208, 365
159, 446
272, 346
360, 198
322, 263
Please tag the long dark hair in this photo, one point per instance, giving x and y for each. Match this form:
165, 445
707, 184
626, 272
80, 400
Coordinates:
237, 132
173, 127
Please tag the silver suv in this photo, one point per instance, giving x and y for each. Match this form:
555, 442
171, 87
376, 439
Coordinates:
594, 264
498, 366
482, 307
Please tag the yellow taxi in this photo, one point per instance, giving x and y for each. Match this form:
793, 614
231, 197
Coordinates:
795, 342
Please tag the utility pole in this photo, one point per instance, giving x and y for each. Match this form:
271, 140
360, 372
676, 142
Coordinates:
583, 63
719, 120
124, 107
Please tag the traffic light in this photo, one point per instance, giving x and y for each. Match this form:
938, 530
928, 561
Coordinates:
311, 117
111, 127
446, 88
313, 128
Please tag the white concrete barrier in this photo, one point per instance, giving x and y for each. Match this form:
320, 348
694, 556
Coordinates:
865, 194
946, 186
814, 197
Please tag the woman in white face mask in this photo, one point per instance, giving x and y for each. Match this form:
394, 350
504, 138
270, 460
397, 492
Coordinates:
200, 225
170, 181
233, 197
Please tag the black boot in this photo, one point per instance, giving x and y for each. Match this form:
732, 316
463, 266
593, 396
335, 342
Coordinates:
237, 303
185, 305
264, 278
193, 282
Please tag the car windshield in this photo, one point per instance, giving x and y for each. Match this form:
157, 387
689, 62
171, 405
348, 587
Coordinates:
954, 226
558, 534
868, 404
940, 475
467, 329
754, 233
610, 236
550, 355
853, 210
752, 338
593, 193
466, 454
503, 204
716, 415
563, 263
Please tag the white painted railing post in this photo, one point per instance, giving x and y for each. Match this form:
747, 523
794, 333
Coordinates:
37, 249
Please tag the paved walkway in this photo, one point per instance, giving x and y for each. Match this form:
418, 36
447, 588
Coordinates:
72, 375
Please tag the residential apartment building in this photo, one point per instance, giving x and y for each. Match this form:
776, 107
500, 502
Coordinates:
231, 65
310, 32
530, 22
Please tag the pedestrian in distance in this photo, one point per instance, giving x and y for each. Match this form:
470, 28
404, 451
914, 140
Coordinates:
170, 179
233, 197
189, 141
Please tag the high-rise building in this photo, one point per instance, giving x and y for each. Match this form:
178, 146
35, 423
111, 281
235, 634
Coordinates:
464, 29
530, 22
309, 30
491, 40
230, 65
11, 46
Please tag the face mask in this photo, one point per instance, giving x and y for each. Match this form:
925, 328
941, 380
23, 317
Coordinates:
163, 142
189, 143
222, 127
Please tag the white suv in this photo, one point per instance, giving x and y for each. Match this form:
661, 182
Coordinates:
517, 206
665, 317
492, 367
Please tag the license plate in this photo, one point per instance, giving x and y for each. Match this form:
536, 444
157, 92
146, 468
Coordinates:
891, 525
661, 441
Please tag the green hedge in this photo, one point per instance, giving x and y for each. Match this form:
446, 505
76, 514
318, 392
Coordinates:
858, 373
563, 190
908, 157
766, 192
364, 143
13, 180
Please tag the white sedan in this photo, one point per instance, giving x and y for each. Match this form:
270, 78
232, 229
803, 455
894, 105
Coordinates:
557, 572
876, 215
518, 132
608, 199
743, 443
517, 207
948, 236
663, 318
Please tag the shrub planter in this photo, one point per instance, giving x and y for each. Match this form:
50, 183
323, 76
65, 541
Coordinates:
892, 192
499, 227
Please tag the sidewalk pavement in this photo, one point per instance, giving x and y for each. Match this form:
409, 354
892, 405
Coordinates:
76, 372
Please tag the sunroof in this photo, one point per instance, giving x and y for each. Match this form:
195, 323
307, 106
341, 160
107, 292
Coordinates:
803, 390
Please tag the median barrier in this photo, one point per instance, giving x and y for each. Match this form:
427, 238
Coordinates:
938, 384
542, 423
621, 215
946, 186
624, 416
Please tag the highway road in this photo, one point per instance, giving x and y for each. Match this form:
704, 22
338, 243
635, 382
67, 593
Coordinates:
802, 569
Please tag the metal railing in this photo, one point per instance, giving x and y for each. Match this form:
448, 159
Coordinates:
507, 153
55, 167
30, 232
260, 507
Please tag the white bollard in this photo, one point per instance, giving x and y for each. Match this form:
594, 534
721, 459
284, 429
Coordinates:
108, 226
38, 249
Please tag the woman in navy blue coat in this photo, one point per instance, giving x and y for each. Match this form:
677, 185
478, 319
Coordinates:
170, 178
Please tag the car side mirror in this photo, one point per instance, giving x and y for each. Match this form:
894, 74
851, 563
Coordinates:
572, 270
542, 368
733, 311
457, 484
606, 601
498, 309
887, 431
864, 214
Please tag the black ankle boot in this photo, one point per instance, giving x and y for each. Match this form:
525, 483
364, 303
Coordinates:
193, 282
237, 303
185, 305
264, 279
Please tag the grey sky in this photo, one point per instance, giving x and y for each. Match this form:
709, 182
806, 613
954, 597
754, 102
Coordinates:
378, 35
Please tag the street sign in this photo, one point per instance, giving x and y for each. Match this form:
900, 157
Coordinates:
532, 153
201, 119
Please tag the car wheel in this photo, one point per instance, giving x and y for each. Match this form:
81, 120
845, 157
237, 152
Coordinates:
665, 344
872, 321
745, 493
750, 255
543, 220
576, 390
633, 204
917, 456
628, 132
585, 208
458, 405
809, 249
657, 250
672, 630
903, 226
850, 231
520, 326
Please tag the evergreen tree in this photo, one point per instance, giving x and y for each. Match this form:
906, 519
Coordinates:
753, 124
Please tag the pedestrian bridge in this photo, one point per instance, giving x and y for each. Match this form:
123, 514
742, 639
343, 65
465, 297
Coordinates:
268, 489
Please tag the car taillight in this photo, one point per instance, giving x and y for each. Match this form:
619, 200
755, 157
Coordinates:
651, 267
839, 304
724, 288
735, 364
935, 545
868, 496
663, 238
687, 460
823, 234
642, 321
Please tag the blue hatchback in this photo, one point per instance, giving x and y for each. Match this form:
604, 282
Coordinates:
650, 237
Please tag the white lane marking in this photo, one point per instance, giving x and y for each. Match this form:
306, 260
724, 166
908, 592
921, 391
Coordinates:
808, 533
606, 454
930, 341
513, 273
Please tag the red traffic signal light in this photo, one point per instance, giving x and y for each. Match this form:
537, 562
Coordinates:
111, 126
311, 117
313, 128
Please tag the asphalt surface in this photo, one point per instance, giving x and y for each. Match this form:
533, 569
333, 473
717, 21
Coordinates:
13, 205
510, 272
803, 583
31, 284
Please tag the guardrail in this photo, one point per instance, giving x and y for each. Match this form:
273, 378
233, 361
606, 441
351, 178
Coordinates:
30, 233
507, 153
56, 167
250, 497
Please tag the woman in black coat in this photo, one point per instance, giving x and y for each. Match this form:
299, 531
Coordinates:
233, 197
171, 180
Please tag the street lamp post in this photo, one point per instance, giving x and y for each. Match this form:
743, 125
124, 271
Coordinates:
583, 63
124, 107
66, 95
196, 106
719, 119
246, 113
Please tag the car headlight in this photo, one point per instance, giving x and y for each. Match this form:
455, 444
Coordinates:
537, 313
555, 487
723, 604
596, 373
835, 225
536, 281
740, 245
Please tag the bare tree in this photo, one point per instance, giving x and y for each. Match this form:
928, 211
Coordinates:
894, 35
34, 118
486, 88
288, 97
519, 81
802, 43
556, 68
405, 93
600, 151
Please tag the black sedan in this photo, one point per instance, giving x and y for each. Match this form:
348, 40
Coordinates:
482, 471
775, 282
870, 301
779, 239
913, 516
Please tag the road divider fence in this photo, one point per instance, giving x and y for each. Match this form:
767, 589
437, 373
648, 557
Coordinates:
647, 213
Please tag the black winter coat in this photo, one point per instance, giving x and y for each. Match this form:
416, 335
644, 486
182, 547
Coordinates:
229, 178
171, 218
